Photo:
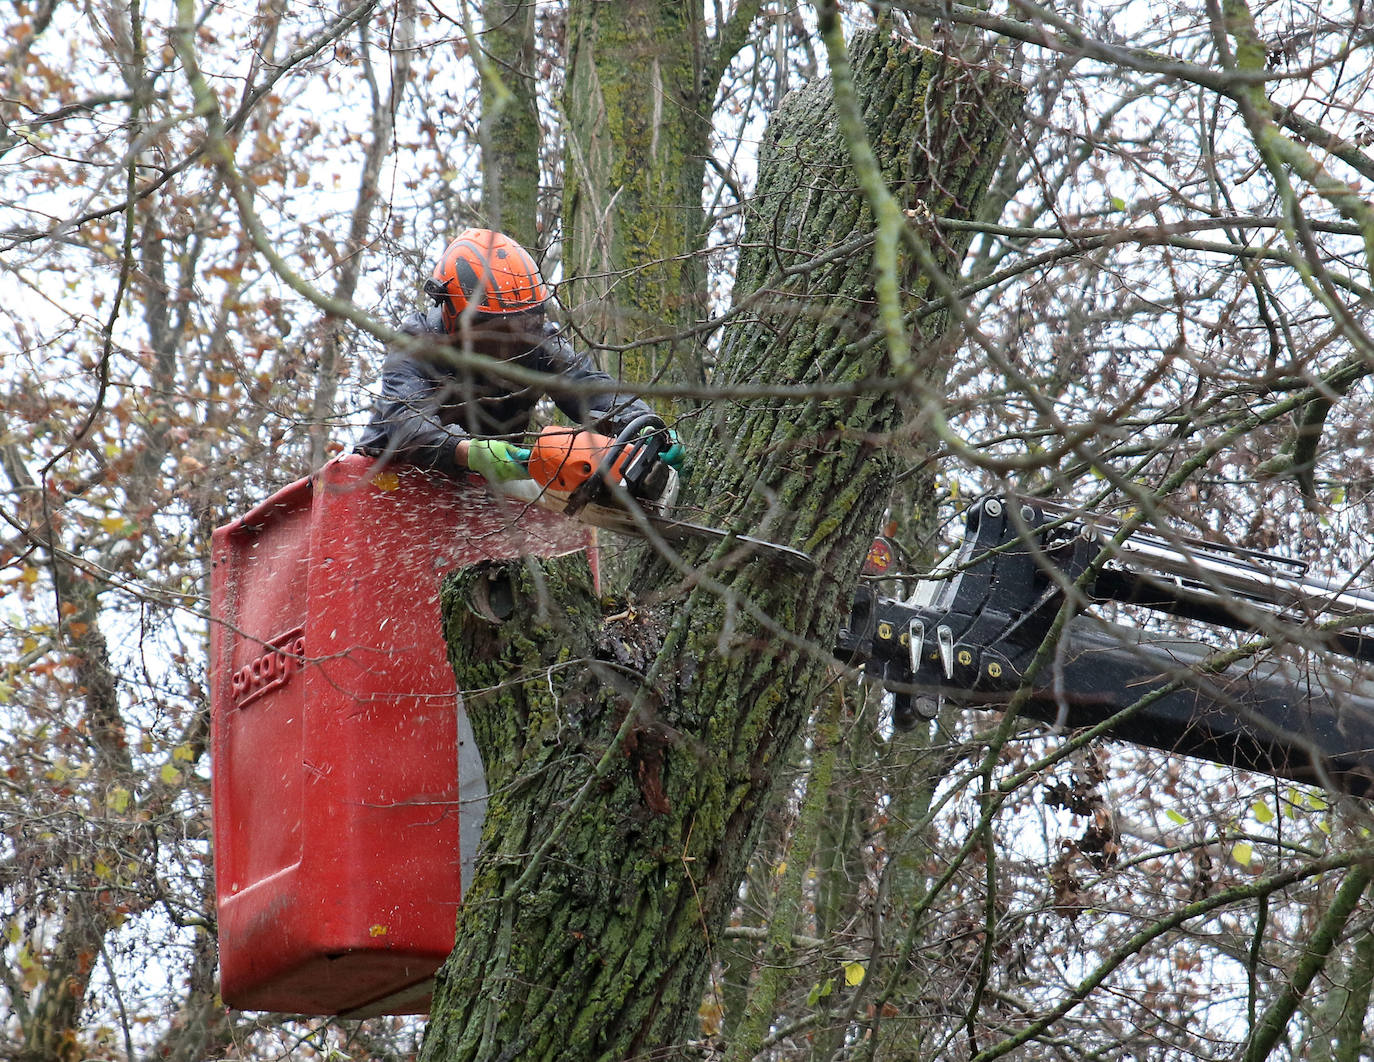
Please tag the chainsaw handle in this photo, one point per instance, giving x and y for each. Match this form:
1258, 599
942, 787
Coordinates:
629, 435
635, 428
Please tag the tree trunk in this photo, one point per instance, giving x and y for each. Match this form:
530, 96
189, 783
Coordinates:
510, 131
638, 131
630, 760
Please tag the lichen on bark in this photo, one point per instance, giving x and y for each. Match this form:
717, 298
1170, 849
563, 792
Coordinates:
638, 135
510, 134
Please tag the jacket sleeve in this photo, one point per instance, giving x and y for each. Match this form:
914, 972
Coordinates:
597, 400
405, 423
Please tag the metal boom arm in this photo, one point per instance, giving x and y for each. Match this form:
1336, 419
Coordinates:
971, 635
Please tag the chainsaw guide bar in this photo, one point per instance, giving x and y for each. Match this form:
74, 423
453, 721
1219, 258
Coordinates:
620, 484
652, 522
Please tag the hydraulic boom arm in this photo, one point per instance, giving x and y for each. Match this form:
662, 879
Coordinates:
971, 634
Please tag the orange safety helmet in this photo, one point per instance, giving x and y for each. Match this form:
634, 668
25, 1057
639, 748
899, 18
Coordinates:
488, 270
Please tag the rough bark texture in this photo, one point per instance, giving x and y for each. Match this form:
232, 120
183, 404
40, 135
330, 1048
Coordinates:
631, 760
510, 121
637, 138
580, 850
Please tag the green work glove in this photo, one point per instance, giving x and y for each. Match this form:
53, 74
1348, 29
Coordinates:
497, 461
673, 454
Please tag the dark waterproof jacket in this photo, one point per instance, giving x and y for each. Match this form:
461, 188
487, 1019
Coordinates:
428, 406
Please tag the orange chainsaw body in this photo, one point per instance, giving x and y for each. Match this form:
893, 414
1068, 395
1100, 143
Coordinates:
562, 459
635, 496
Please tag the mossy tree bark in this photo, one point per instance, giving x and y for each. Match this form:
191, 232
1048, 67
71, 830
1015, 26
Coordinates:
630, 759
642, 77
510, 134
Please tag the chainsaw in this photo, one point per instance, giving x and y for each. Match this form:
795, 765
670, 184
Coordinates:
620, 484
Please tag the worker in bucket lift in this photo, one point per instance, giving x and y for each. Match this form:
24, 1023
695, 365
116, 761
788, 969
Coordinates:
489, 298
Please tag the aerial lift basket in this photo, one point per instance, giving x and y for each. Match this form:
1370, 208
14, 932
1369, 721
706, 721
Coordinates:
347, 791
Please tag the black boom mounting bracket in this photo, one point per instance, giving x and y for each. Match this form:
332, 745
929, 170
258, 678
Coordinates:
972, 632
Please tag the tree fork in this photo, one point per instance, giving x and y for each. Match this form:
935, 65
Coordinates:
630, 761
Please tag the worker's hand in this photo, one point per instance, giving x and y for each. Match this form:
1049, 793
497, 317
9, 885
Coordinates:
497, 461
673, 453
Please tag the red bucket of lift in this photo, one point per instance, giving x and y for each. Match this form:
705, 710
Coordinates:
347, 791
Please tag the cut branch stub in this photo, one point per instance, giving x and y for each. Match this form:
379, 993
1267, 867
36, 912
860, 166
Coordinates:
512, 628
